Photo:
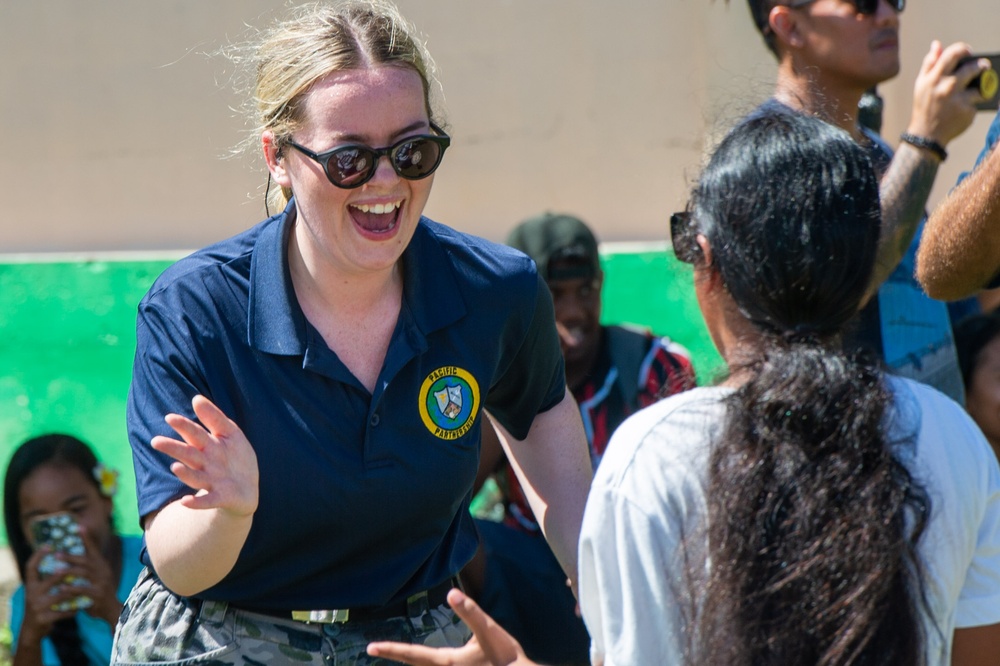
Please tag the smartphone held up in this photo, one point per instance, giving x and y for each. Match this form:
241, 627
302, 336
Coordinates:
61, 534
988, 82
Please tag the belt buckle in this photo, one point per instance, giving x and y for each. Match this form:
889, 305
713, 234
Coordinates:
321, 616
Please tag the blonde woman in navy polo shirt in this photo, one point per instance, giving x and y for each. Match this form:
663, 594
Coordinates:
307, 396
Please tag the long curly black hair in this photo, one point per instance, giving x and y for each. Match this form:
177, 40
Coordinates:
813, 519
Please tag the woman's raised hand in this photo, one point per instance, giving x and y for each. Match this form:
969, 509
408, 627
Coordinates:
214, 458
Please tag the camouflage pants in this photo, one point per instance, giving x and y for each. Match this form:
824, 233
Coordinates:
158, 627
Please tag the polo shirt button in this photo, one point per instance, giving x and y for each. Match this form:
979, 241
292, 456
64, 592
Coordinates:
374, 420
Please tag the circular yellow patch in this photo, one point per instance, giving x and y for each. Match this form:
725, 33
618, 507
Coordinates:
449, 402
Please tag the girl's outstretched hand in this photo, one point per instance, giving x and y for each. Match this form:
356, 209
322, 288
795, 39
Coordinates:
491, 645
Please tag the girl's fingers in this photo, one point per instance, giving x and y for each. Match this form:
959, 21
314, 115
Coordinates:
31, 566
415, 655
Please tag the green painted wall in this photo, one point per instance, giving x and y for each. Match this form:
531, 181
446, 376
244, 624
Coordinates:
653, 289
67, 339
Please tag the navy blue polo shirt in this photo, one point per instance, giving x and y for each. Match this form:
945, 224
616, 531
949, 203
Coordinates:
363, 497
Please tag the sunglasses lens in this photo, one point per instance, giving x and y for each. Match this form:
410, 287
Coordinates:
684, 244
351, 166
416, 158
870, 7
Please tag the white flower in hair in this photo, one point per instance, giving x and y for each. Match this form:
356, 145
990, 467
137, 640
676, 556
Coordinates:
107, 479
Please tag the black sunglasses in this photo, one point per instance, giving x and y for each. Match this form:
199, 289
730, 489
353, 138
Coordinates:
682, 238
353, 165
866, 7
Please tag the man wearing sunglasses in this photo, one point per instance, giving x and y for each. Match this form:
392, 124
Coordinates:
829, 53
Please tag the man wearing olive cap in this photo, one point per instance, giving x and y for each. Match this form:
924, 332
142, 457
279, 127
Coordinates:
612, 372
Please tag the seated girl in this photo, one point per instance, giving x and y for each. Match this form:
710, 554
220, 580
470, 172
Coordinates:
69, 601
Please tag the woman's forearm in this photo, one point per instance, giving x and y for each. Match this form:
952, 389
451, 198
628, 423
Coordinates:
553, 465
193, 549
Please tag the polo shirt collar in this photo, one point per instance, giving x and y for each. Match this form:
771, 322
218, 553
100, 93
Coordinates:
431, 288
276, 324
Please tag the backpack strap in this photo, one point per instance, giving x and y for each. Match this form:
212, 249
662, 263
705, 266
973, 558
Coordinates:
628, 348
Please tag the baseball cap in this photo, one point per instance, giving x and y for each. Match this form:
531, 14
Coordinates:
558, 239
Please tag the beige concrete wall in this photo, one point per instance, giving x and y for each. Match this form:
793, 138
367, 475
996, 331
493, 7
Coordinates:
115, 121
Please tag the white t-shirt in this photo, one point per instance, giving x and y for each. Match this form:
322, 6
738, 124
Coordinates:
648, 498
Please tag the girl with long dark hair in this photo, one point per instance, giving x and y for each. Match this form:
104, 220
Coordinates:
809, 509
54, 474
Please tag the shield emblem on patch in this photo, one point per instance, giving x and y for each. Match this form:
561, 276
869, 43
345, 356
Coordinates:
449, 401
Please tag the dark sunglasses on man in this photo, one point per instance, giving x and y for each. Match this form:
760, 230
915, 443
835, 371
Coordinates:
353, 165
866, 7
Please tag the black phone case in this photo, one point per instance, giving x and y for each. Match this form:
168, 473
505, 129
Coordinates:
988, 82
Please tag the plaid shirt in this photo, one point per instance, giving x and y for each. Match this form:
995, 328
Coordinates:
665, 369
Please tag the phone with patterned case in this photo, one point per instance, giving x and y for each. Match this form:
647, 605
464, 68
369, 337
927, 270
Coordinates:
61, 533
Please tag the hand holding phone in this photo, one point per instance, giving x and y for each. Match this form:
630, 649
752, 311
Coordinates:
60, 533
988, 82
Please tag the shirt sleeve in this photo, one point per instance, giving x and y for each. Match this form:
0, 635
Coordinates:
979, 600
992, 135
535, 380
163, 382
643, 550
629, 599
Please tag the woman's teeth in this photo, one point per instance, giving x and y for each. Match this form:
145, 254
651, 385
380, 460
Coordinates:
378, 209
